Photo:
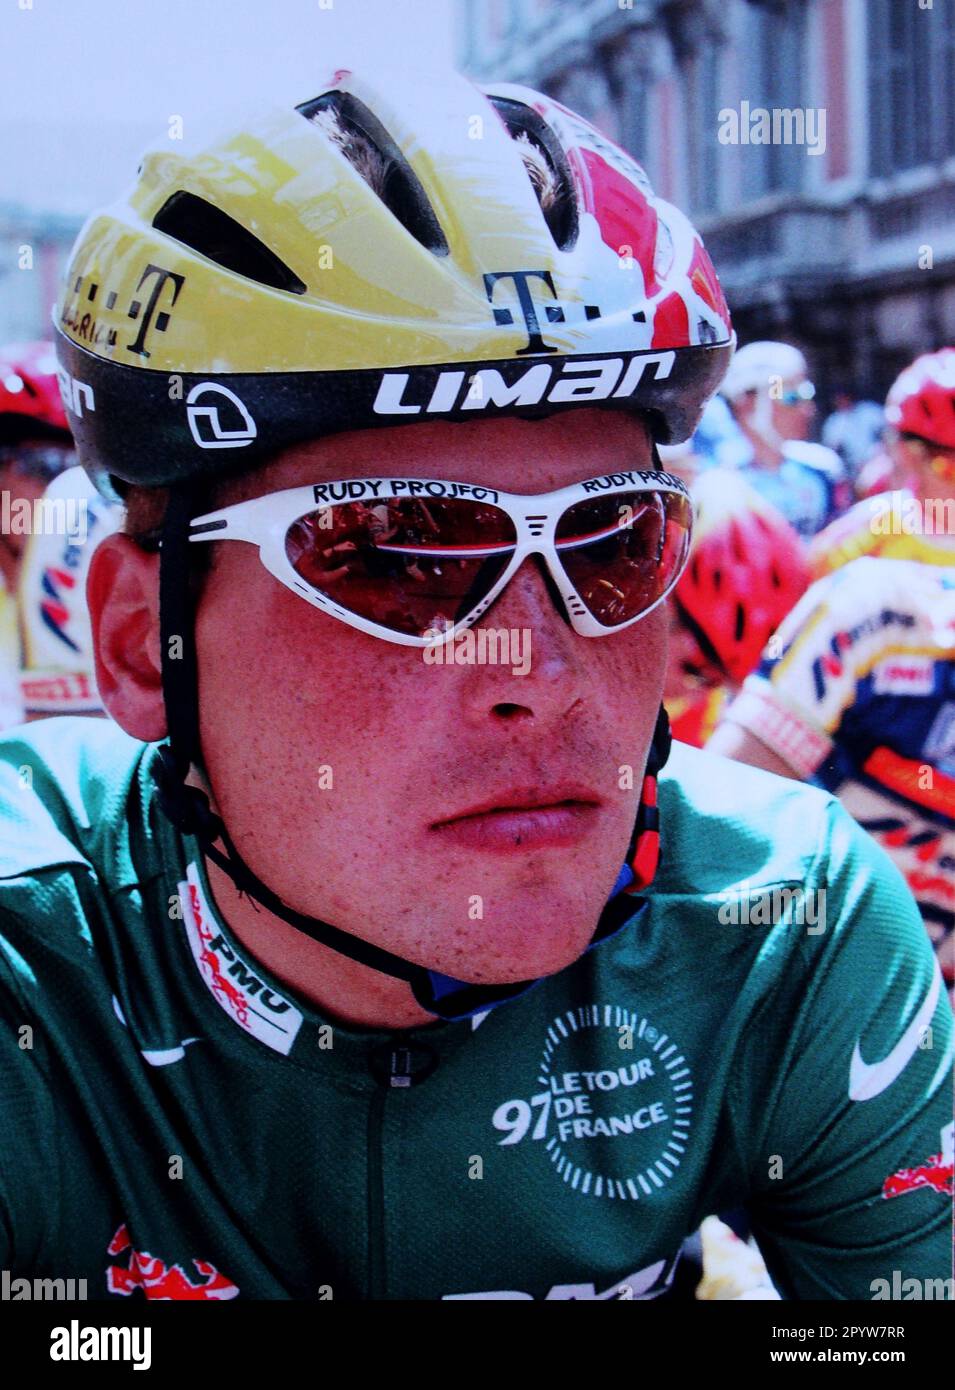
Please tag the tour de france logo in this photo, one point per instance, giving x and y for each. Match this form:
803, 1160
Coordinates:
613, 1106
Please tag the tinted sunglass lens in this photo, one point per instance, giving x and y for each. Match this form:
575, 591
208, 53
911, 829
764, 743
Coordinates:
411, 565
623, 552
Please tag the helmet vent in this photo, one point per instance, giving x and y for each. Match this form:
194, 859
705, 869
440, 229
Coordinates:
546, 166
211, 232
371, 151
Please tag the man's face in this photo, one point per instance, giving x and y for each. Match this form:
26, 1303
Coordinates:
924, 469
793, 419
396, 797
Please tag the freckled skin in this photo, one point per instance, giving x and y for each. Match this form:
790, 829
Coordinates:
285, 690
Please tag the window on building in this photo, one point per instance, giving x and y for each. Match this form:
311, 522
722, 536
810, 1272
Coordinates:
944, 51
911, 57
498, 20
634, 132
772, 78
701, 92
465, 35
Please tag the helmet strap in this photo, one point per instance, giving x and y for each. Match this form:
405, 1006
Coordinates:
177, 630
189, 810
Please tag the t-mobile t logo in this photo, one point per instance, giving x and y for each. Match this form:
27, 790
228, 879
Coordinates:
535, 343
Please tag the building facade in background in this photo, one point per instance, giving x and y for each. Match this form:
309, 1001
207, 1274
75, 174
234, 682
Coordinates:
842, 240
34, 249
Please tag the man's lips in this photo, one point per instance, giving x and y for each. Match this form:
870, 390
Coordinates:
524, 819
527, 799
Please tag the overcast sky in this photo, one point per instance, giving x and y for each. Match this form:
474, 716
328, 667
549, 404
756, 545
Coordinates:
86, 84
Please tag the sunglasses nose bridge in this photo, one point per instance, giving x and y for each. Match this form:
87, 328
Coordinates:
542, 562
537, 541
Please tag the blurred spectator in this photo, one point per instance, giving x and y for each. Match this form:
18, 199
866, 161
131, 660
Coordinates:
35, 441
854, 429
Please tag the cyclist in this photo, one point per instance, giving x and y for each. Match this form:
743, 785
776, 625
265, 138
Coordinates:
317, 1011
772, 403
56, 644
56, 519
915, 518
853, 429
860, 696
747, 569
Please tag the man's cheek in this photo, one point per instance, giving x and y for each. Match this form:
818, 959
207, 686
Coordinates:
639, 672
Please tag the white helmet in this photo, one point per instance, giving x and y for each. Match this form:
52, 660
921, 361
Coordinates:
754, 366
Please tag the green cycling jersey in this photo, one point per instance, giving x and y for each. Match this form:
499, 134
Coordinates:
768, 1031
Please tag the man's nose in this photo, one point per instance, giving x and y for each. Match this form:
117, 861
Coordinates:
553, 663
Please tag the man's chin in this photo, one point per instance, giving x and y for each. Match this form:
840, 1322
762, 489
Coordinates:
501, 962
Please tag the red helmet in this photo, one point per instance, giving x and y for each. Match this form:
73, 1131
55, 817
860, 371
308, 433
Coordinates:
30, 404
747, 570
922, 400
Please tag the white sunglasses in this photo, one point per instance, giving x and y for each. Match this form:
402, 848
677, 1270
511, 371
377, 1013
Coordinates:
417, 560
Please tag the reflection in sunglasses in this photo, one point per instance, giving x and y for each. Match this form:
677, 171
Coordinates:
412, 565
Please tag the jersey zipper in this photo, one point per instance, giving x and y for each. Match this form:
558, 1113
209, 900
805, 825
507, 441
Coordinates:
399, 1074
376, 1197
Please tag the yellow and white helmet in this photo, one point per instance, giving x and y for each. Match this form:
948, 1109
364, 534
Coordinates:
398, 248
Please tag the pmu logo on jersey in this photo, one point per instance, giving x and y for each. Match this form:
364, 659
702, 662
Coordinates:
830, 664
611, 1108
231, 981
157, 1280
206, 422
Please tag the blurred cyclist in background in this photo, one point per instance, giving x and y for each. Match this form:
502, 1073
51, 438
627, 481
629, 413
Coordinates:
56, 642
853, 429
747, 570
912, 516
771, 400
860, 699
35, 440
52, 520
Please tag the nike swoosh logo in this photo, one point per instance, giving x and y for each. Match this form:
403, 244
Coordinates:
161, 1057
156, 1056
870, 1079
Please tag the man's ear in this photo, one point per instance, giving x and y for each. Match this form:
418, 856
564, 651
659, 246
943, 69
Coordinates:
122, 592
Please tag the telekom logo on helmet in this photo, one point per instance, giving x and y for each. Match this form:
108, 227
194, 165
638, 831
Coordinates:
535, 342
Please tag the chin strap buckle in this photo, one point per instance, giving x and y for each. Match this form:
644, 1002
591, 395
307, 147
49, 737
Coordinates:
187, 807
